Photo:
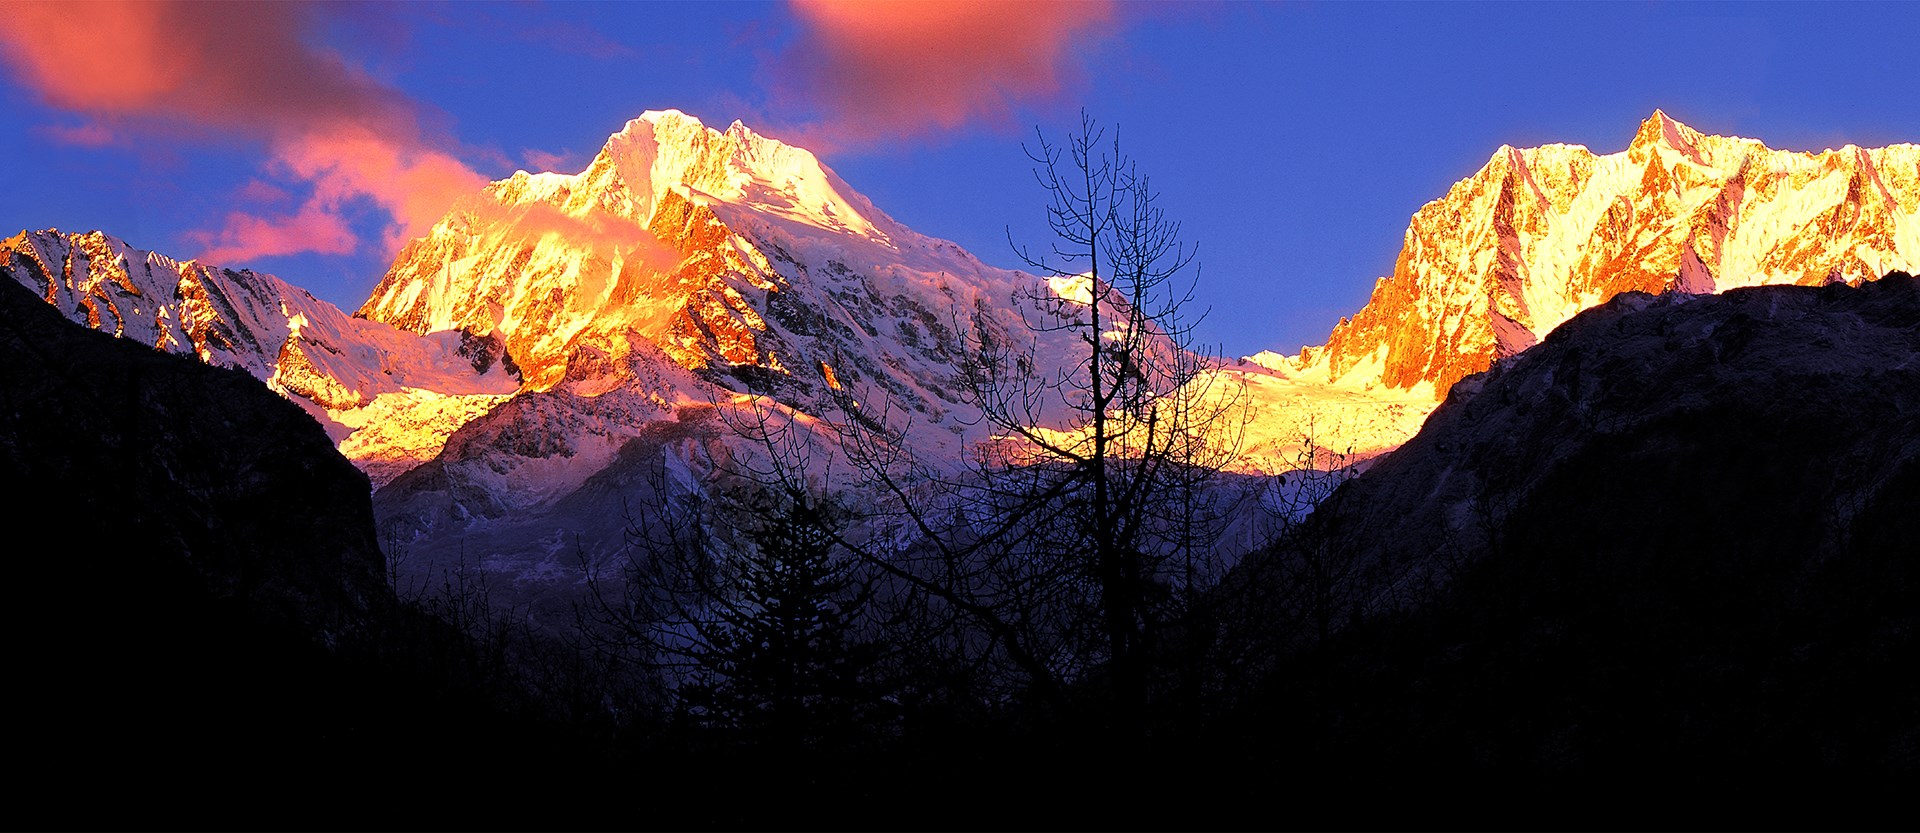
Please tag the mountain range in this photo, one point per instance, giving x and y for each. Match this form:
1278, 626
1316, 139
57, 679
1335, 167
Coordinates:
510, 369
1636, 518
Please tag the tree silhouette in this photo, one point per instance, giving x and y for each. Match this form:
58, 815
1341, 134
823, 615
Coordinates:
1080, 532
778, 657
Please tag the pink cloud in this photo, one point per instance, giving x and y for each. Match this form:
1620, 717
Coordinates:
258, 191
243, 69
315, 228
900, 69
219, 66
415, 185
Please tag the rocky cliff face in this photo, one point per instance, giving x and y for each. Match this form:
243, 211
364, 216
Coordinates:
222, 317
1539, 234
195, 568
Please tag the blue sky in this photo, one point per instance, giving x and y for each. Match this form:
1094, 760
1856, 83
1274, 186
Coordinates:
1293, 141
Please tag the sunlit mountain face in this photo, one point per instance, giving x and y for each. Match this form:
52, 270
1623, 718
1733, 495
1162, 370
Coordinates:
1539, 234
686, 261
546, 324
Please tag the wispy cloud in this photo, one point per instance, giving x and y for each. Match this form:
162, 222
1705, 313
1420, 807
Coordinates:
246, 70
540, 160
84, 135
314, 228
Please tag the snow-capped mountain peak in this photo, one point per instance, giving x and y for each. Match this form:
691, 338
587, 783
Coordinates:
1661, 129
554, 328
666, 150
647, 238
1539, 234
732, 256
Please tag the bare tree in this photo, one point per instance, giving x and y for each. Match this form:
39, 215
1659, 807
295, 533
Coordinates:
1317, 582
1082, 529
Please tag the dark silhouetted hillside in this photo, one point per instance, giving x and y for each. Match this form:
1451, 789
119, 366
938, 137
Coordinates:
1671, 549
201, 629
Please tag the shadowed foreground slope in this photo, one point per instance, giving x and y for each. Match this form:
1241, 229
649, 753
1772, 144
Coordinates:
1673, 546
1669, 550
201, 630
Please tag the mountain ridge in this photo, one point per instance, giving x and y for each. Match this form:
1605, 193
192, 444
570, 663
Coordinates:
687, 266
388, 398
1538, 234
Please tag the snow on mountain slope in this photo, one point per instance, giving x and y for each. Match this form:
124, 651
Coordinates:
1296, 412
350, 374
1539, 234
736, 258
552, 320
688, 236
644, 296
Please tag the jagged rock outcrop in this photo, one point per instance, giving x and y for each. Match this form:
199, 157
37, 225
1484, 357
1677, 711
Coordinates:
390, 398
1539, 234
